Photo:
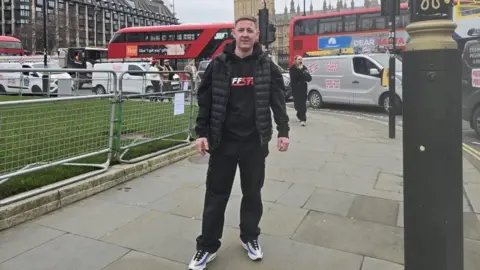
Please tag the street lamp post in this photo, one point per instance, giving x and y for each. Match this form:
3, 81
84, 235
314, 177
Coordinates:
304, 8
432, 140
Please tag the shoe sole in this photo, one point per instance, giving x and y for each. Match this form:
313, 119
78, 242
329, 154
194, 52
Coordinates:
253, 258
205, 267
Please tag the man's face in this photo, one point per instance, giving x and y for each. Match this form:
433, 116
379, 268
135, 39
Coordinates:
245, 34
166, 62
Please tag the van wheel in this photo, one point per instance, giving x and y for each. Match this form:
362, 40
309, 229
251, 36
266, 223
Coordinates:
315, 99
476, 120
36, 89
2, 89
99, 90
384, 102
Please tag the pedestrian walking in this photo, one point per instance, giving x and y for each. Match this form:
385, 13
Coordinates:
154, 77
240, 88
299, 76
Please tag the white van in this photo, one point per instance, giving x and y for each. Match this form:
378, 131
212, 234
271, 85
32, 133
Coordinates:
351, 79
132, 83
29, 82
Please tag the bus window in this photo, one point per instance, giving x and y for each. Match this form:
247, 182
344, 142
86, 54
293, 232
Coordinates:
135, 37
330, 25
299, 29
366, 22
350, 23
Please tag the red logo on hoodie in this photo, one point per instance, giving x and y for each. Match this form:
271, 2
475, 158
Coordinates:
242, 81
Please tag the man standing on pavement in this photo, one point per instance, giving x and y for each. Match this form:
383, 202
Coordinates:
234, 125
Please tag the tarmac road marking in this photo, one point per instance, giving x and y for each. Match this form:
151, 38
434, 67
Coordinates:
471, 151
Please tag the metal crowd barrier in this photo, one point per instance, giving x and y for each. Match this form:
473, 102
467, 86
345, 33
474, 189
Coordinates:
92, 130
142, 115
40, 133
60, 82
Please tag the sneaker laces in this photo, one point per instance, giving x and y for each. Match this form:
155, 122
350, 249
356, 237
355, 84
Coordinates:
199, 255
255, 244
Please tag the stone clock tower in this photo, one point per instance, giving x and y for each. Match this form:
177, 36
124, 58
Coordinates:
251, 7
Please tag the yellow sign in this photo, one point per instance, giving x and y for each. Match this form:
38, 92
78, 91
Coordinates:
467, 9
385, 77
330, 52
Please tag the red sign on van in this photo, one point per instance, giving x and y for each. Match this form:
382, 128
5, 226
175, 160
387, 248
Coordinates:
331, 66
332, 84
476, 78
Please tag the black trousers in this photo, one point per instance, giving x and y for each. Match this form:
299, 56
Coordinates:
300, 103
250, 158
156, 86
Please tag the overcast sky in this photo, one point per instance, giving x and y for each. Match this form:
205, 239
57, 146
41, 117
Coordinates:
209, 11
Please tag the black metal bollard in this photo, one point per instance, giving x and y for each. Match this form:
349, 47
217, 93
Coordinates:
432, 148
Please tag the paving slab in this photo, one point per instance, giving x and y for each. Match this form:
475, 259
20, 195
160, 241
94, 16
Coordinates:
351, 235
184, 201
24, 237
164, 235
471, 254
140, 192
297, 195
471, 226
473, 193
373, 209
389, 182
284, 254
140, 261
279, 220
376, 264
67, 252
78, 218
330, 201
181, 175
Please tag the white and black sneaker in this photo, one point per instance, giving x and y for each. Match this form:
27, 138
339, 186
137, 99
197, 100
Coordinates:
200, 260
254, 250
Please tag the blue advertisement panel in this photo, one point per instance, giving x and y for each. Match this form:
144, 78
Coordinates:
339, 42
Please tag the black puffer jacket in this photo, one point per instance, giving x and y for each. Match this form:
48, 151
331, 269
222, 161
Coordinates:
213, 95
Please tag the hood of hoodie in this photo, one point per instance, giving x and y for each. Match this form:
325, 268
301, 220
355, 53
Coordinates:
229, 49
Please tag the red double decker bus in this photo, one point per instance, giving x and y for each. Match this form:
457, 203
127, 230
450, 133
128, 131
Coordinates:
365, 29
10, 46
178, 43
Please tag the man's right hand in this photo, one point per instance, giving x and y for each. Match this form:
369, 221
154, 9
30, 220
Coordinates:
201, 145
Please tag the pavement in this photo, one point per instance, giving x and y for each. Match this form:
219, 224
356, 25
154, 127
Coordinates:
470, 139
333, 201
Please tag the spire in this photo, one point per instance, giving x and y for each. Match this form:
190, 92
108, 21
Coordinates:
292, 6
298, 7
311, 7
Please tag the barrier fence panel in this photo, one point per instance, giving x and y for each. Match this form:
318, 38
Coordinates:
53, 82
150, 113
39, 133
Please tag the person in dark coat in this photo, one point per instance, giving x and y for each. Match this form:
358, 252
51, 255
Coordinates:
299, 76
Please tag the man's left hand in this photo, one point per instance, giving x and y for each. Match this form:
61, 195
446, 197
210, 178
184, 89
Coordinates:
282, 144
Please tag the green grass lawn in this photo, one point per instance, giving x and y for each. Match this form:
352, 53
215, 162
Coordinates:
52, 131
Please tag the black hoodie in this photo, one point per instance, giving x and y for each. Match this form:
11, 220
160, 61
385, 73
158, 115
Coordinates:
240, 124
